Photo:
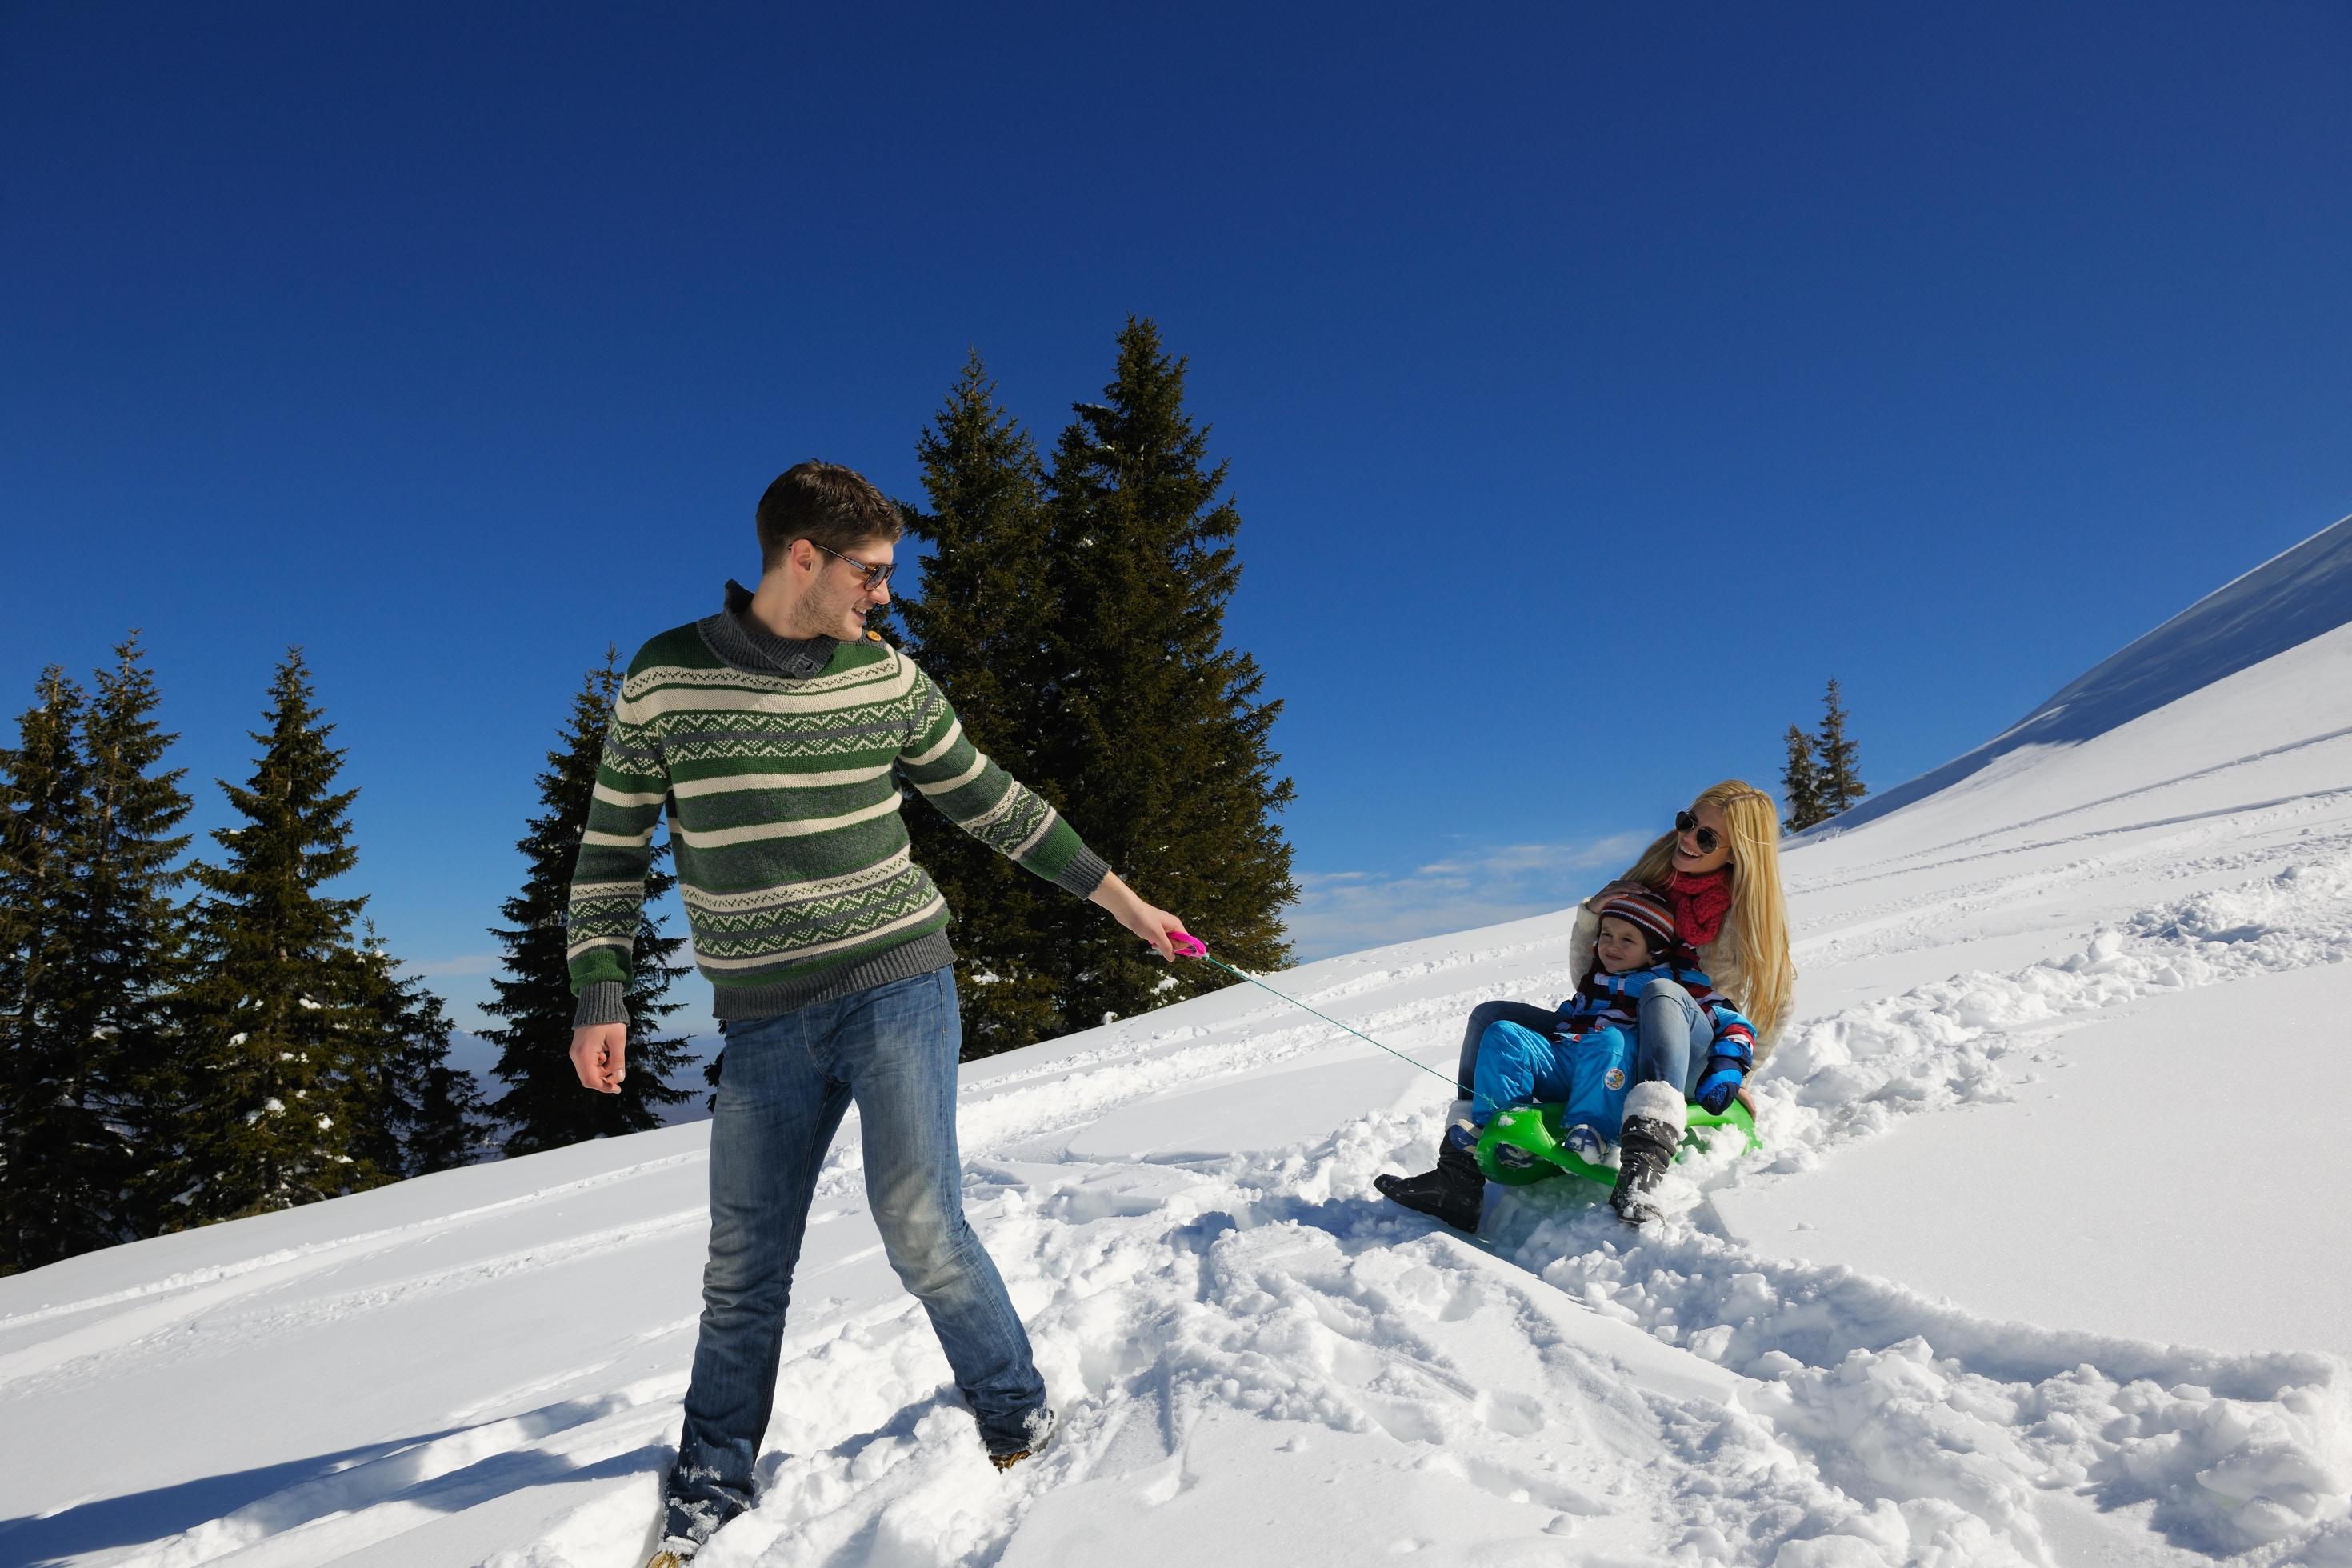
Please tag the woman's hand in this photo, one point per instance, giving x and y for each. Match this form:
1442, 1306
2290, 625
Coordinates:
1621, 885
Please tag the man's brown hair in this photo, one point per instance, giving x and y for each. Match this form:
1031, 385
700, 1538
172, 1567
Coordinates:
832, 507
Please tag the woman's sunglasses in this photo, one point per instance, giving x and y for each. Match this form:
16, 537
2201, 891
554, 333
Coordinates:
1706, 837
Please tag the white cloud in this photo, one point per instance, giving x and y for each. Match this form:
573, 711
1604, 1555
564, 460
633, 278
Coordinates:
1345, 912
464, 964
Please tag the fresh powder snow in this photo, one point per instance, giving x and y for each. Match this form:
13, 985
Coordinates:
2043, 1261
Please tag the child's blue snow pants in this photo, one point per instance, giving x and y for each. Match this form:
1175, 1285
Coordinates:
1517, 1066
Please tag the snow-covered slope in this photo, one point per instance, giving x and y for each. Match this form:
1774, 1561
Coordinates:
2043, 1261
2280, 604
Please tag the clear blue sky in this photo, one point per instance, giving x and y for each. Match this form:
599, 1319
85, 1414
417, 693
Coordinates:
1596, 380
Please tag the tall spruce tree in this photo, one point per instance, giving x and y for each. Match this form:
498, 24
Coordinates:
129, 940
1841, 778
57, 1157
419, 1113
981, 630
1159, 742
269, 1111
1801, 783
544, 1105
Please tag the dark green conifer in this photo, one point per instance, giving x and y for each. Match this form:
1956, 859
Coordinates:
419, 1113
268, 1114
544, 1105
57, 1156
129, 941
1841, 779
1159, 742
1801, 783
91, 945
981, 630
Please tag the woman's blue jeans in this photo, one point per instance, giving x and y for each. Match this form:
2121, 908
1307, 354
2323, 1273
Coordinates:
1677, 1036
785, 1085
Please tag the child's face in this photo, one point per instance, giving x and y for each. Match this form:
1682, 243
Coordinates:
1620, 945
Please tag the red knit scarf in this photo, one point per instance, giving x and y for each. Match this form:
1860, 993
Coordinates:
1700, 902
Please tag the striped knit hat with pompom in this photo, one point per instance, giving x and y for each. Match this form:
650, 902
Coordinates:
1646, 911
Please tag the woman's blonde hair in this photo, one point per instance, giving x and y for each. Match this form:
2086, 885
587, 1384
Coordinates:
1759, 917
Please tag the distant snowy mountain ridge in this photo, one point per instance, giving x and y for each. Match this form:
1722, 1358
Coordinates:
2288, 600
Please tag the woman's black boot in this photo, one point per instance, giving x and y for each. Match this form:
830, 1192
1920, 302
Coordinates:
1455, 1192
1655, 1119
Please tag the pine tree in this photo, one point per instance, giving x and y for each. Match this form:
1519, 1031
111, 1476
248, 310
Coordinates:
57, 1157
268, 1111
419, 1113
980, 630
129, 943
1159, 742
1841, 780
544, 1105
1800, 782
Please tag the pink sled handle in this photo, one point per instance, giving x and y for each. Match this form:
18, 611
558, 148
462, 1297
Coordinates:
1187, 945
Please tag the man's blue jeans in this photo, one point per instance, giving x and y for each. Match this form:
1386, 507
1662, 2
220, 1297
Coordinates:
786, 1083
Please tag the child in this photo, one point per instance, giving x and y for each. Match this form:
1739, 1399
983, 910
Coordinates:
1587, 1060
1607, 1010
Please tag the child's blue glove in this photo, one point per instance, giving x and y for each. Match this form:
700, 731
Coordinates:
1721, 1082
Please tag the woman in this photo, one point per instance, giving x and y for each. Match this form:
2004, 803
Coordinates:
1719, 871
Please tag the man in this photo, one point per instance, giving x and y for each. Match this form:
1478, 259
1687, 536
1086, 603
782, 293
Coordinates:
775, 734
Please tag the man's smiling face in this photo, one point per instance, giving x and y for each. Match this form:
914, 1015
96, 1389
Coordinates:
839, 599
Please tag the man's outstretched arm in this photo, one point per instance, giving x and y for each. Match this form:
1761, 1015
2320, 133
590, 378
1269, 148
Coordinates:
1013, 819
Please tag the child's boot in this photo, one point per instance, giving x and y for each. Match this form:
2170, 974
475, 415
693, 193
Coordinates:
1584, 1143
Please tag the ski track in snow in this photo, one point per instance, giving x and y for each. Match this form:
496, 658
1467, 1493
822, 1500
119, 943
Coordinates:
1666, 1395
339, 1247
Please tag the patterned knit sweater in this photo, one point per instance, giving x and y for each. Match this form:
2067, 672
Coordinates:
777, 765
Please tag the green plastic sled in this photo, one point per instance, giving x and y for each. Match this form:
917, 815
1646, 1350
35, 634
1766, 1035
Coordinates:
1536, 1129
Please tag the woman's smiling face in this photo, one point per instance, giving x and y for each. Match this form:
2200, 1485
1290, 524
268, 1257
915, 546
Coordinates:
1689, 858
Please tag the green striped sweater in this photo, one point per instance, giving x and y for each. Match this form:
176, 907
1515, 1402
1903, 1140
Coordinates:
777, 765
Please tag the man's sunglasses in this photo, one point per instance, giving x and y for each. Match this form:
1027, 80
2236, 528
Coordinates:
1707, 838
875, 576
